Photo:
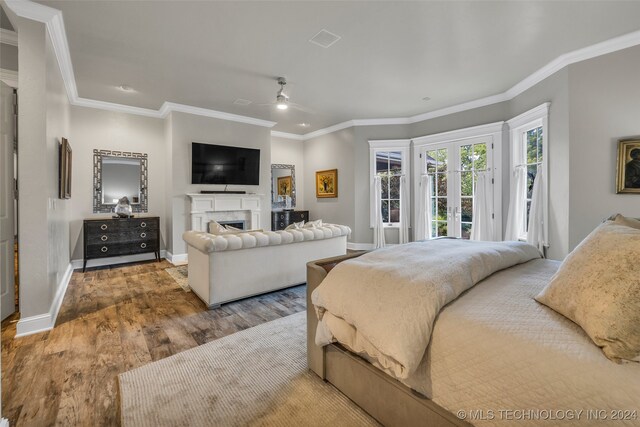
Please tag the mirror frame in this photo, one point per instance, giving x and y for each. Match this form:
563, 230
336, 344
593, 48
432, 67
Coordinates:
282, 205
98, 206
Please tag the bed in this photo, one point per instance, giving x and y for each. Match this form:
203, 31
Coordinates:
495, 357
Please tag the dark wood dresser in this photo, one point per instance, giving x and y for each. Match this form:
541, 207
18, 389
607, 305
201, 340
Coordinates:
121, 236
281, 219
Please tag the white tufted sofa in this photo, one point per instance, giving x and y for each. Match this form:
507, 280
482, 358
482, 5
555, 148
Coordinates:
227, 267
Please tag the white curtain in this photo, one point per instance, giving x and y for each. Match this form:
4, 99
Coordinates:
517, 205
535, 230
482, 225
404, 211
425, 208
378, 228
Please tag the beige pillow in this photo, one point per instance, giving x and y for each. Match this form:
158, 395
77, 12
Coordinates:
216, 228
623, 220
313, 224
598, 287
295, 226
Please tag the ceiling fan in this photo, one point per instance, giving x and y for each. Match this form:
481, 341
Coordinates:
282, 101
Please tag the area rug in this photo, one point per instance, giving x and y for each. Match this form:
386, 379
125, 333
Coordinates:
181, 276
256, 377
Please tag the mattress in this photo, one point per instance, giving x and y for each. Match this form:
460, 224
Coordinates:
497, 357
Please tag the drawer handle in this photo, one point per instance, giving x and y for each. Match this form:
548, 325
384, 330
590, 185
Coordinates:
104, 249
104, 238
143, 245
143, 224
143, 235
103, 227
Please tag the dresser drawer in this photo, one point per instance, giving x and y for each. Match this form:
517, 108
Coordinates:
143, 223
120, 236
116, 249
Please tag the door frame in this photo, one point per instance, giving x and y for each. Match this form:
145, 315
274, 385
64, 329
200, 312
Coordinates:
494, 134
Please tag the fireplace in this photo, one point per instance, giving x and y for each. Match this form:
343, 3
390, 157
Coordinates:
242, 225
238, 210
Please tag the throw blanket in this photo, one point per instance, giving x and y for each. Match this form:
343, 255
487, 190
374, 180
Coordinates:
392, 296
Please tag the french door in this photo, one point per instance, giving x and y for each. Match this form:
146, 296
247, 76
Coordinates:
454, 166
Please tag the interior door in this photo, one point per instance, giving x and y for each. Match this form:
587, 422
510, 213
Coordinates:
454, 166
7, 290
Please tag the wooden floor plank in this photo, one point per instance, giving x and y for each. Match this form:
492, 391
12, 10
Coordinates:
114, 319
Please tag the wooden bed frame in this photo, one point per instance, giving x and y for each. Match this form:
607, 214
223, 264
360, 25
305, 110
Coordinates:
382, 396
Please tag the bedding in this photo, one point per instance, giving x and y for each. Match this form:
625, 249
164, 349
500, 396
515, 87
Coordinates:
402, 288
504, 359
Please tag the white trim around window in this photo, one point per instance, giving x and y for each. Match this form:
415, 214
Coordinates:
537, 117
397, 145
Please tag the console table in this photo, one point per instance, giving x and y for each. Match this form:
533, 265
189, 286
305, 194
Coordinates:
120, 236
281, 219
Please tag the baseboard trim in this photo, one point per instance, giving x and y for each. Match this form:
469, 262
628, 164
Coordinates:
360, 246
44, 322
100, 262
177, 258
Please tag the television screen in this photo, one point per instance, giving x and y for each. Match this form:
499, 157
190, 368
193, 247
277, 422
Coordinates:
220, 164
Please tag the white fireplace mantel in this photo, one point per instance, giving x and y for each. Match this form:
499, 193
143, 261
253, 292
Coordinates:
207, 207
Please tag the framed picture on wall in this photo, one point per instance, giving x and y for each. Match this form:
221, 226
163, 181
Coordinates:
628, 176
65, 170
327, 183
284, 185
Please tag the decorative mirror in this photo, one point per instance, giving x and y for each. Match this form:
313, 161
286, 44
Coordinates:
283, 186
117, 174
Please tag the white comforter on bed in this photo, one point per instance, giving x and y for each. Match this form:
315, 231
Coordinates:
390, 297
504, 359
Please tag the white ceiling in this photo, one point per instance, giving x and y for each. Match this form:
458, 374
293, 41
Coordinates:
391, 55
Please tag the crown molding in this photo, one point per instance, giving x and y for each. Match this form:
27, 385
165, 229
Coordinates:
10, 77
169, 107
286, 135
8, 37
55, 27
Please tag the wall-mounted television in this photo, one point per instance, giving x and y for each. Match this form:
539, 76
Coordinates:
221, 164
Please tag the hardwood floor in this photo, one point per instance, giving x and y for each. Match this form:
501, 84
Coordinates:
111, 321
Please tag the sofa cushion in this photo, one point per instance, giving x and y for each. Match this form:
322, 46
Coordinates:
206, 242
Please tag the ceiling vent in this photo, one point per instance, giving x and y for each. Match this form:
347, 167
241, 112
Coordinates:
324, 39
241, 101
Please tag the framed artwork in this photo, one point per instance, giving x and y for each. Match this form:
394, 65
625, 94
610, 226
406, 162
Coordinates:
628, 176
284, 186
65, 170
327, 183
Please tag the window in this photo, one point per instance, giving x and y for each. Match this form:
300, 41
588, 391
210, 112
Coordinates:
389, 162
453, 160
529, 152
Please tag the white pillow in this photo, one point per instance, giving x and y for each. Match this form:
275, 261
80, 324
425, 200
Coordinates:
295, 226
232, 228
598, 287
313, 224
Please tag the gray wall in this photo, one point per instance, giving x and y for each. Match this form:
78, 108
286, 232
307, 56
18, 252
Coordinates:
333, 151
604, 107
107, 130
43, 235
185, 129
